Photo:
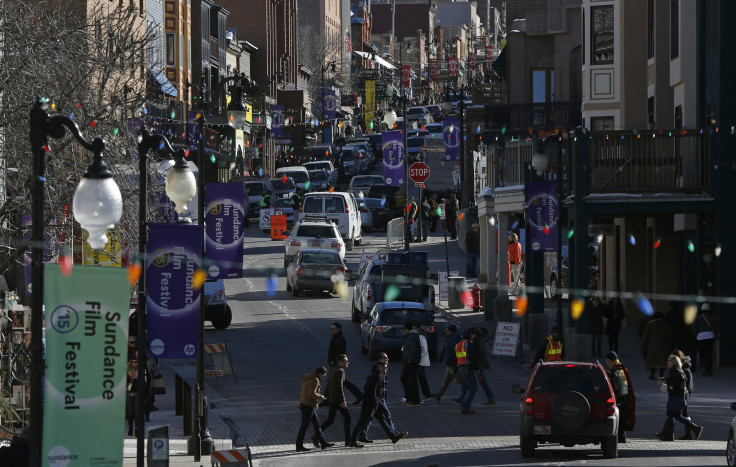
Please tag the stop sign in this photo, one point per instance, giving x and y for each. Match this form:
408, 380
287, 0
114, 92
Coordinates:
419, 172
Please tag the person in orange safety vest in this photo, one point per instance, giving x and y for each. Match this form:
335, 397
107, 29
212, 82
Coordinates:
551, 349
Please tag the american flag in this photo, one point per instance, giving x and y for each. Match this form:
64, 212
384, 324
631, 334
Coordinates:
348, 43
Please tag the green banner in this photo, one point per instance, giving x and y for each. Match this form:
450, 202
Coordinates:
86, 353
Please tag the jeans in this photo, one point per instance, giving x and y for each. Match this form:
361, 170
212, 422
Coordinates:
450, 374
675, 405
383, 415
705, 350
423, 382
486, 388
470, 385
597, 340
309, 415
345, 418
471, 268
410, 383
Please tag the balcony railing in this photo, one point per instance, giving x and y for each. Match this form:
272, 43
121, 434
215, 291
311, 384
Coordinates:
649, 161
540, 116
508, 163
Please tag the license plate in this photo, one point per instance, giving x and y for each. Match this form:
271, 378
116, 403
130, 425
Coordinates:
314, 243
542, 429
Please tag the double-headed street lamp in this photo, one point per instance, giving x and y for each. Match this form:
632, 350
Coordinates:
236, 117
97, 205
180, 188
447, 108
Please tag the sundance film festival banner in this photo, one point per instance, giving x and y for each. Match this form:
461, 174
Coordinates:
393, 157
451, 138
172, 301
224, 217
329, 104
86, 358
543, 215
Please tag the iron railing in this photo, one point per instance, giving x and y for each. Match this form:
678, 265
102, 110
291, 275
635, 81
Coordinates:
543, 115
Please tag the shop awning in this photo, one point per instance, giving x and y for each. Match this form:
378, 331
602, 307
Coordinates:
375, 58
163, 82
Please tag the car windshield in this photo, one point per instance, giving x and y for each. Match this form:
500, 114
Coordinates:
318, 175
401, 316
415, 111
297, 175
283, 203
316, 152
363, 181
375, 203
557, 379
316, 231
254, 189
322, 257
279, 184
317, 165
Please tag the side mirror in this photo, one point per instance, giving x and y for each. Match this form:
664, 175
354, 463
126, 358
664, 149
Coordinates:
434, 278
348, 275
516, 388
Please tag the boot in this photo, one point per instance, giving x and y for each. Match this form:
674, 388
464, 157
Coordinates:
688, 434
668, 434
662, 431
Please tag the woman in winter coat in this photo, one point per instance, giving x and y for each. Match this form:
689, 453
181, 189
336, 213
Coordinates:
308, 403
676, 401
657, 343
689, 386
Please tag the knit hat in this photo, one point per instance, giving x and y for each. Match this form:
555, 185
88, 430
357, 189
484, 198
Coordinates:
452, 328
612, 356
475, 226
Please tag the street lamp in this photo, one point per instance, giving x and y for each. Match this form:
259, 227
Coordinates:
540, 160
99, 193
180, 188
201, 438
460, 109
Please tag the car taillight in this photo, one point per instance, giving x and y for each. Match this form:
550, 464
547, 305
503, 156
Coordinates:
383, 328
429, 329
610, 406
335, 244
340, 271
529, 406
347, 209
363, 210
294, 242
299, 271
369, 295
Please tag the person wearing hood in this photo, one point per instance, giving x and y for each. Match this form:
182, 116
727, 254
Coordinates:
308, 404
705, 329
617, 375
657, 343
689, 387
676, 390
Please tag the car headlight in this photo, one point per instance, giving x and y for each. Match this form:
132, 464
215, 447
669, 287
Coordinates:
218, 298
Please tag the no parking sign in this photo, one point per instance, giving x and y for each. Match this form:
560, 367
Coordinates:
264, 222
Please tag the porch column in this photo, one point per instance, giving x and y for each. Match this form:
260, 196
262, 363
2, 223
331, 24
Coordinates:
488, 257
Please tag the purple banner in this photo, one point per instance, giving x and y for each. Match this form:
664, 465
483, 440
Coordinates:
174, 254
224, 218
393, 157
277, 122
329, 104
451, 138
543, 212
166, 207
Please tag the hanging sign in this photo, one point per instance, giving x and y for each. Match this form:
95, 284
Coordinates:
393, 157
224, 218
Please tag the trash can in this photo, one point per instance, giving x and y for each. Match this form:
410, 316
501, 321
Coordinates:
455, 287
158, 446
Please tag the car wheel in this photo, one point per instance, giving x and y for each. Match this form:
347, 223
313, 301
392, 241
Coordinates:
610, 447
527, 445
224, 321
354, 314
357, 241
731, 451
295, 291
570, 410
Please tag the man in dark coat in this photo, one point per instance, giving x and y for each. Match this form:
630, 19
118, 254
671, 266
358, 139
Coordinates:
451, 209
472, 251
338, 346
657, 342
374, 392
616, 315
336, 401
448, 356
411, 355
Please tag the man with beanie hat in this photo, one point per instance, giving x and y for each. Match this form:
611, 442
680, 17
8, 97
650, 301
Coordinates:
448, 356
618, 374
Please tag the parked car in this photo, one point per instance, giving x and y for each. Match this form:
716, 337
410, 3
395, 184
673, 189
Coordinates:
349, 158
436, 112
286, 206
420, 114
320, 152
338, 207
254, 193
312, 233
376, 141
374, 214
572, 403
360, 184
434, 129
315, 165
418, 132
281, 188
383, 329
392, 195
412, 147
299, 174
314, 270
216, 309
322, 180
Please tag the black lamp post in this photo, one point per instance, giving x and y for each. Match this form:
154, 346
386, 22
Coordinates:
97, 189
327, 66
201, 440
180, 188
447, 108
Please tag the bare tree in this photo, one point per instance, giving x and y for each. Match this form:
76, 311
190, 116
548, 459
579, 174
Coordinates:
90, 62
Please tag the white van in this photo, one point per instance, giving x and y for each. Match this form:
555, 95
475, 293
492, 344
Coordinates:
299, 174
339, 207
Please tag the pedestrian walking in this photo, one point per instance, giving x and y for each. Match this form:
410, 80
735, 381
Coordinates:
616, 314
338, 346
374, 390
514, 257
657, 342
551, 349
472, 251
433, 216
411, 355
705, 329
308, 404
382, 409
620, 383
16, 453
423, 365
451, 209
448, 357
131, 395
483, 363
467, 364
426, 214
596, 314
336, 401
675, 383
689, 387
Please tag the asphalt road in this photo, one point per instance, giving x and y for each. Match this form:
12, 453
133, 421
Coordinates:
276, 338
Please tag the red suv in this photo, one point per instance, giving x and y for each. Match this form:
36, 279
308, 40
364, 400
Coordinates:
571, 403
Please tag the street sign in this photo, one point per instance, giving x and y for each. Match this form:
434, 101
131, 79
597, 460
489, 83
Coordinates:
419, 172
440, 149
507, 337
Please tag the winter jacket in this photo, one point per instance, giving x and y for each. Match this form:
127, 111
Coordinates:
686, 369
412, 349
424, 359
675, 382
335, 386
448, 351
706, 322
310, 390
657, 341
338, 346
372, 389
597, 312
472, 241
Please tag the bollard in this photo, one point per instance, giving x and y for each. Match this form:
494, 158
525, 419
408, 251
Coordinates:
158, 447
187, 408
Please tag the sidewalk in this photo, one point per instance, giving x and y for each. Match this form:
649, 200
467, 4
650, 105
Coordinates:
165, 415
